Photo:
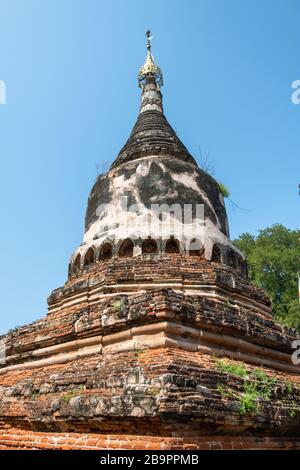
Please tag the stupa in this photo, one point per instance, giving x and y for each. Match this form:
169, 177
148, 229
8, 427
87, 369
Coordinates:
157, 340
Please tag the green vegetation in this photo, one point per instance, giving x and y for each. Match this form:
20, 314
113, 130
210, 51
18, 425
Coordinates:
234, 368
154, 391
293, 412
264, 383
14, 330
34, 396
257, 387
117, 305
69, 395
136, 353
273, 263
72, 393
289, 387
223, 190
249, 399
225, 392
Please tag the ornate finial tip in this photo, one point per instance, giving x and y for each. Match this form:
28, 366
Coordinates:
149, 38
150, 68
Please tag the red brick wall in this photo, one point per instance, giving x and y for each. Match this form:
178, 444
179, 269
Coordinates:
17, 439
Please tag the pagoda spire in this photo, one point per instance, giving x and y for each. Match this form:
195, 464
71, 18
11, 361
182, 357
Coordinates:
152, 133
150, 79
150, 69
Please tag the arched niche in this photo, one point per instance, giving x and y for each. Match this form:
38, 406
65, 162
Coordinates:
89, 257
172, 246
216, 256
149, 246
77, 261
106, 251
126, 248
196, 248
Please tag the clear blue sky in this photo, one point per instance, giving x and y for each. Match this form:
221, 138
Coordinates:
70, 69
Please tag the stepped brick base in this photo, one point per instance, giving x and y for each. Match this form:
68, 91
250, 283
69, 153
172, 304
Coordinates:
136, 364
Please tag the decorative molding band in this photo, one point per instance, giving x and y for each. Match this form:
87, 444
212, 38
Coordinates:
157, 335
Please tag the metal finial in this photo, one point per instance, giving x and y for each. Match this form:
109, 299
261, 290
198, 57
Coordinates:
149, 39
150, 68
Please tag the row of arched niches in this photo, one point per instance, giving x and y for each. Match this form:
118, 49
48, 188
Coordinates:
127, 248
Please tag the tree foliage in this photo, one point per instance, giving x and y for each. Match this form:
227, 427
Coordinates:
273, 258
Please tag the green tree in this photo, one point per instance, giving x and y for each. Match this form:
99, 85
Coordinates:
273, 258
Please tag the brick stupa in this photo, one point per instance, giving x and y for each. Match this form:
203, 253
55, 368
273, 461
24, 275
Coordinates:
152, 343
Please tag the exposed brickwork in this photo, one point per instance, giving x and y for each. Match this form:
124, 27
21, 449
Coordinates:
15, 439
128, 356
157, 393
139, 369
